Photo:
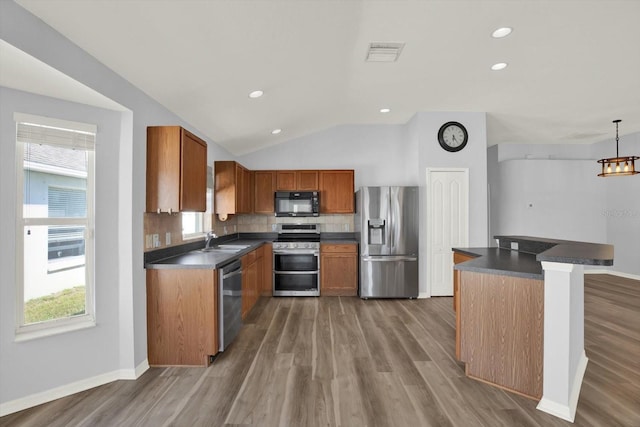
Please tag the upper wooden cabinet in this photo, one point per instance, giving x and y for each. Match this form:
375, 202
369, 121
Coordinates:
233, 188
176, 170
336, 191
264, 189
297, 180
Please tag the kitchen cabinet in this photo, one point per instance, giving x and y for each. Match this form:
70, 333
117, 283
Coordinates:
250, 272
176, 170
264, 189
182, 316
267, 270
233, 188
458, 257
297, 180
338, 269
336, 191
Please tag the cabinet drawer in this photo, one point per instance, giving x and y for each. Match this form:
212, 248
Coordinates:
339, 248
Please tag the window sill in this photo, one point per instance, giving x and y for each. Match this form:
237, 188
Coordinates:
193, 236
32, 332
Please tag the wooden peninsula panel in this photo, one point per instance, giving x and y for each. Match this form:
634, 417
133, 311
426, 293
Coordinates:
457, 259
182, 324
502, 327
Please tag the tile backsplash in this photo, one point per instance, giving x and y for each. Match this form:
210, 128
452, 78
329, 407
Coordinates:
163, 223
267, 223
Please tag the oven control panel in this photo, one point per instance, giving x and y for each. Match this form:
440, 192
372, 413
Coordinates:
296, 245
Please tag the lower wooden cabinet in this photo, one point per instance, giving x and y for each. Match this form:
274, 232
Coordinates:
249, 282
267, 270
182, 316
338, 269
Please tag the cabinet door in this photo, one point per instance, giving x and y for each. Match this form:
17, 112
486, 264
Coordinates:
225, 186
339, 270
264, 187
249, 282
267, 273
247, 191
336, 191
182, 316
286, 181
163, 168
193, 182
306, 180
240, 183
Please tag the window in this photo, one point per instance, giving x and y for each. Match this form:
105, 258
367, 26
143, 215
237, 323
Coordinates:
195, 224
55, 225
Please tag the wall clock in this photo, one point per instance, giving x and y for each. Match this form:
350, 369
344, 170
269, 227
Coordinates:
452, 136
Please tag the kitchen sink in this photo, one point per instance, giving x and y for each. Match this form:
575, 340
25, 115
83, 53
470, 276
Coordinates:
225, 248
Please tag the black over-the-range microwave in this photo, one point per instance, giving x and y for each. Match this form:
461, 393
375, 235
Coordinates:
297, 203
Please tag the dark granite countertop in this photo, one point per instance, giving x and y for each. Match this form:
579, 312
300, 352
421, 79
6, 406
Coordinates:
189, 255
197, 259
565, 251
502, 262
526, 260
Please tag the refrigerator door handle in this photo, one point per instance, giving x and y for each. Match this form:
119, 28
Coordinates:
390, 258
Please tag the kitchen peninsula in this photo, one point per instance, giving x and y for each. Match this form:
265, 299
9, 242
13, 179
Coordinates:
520, 316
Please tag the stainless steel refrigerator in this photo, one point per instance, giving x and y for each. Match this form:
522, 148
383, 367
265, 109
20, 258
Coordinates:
386, 226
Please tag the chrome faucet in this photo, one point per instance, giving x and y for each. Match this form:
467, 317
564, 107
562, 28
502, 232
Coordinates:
210, 236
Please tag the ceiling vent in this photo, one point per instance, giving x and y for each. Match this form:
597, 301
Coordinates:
384, 52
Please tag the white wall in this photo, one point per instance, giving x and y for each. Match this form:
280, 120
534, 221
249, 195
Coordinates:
37, 366
45, 363
379, 154
552, 198
569, 200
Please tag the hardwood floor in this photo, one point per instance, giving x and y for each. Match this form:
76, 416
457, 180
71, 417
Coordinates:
342, 361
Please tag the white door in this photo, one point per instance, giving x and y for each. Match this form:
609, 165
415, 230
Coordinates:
447, 225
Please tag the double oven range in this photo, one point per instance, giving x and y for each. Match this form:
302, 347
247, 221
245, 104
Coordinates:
296, 260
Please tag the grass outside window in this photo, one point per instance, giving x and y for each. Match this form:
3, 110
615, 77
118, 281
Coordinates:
63, 304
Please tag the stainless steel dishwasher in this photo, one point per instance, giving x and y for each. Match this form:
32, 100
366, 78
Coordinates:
230, 303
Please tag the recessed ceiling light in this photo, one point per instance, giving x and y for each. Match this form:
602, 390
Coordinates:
276, 131
501, 32
385, 110
499, 66
256, 94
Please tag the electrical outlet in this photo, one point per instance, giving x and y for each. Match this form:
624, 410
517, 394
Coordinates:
168, 238
224, 230
156, 240
274, 227
148, 241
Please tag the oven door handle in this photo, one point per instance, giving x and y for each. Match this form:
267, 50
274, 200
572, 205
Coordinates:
296, 272
296, 252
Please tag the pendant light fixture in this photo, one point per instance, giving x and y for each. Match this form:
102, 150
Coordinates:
618, 166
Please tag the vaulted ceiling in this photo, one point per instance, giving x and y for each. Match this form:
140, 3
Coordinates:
573, 66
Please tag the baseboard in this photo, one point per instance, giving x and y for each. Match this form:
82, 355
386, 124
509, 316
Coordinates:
567, 411
613, 273
36, 399
422, 295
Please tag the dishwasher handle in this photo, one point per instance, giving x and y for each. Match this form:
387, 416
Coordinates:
231, 274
